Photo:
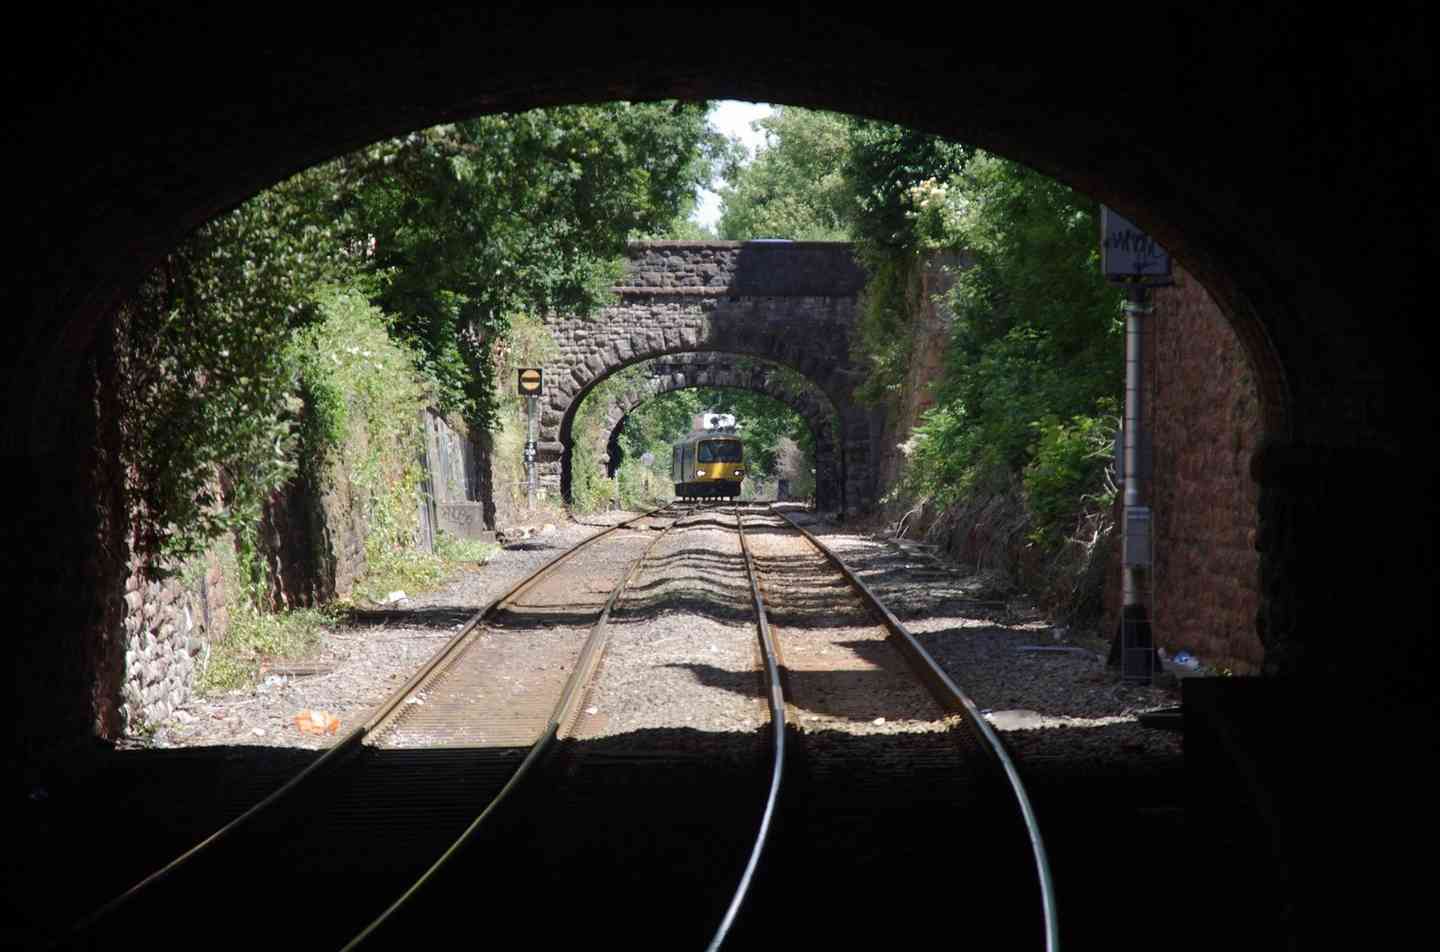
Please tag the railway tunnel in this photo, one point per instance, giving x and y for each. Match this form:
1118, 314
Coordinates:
658, 376
1266, 148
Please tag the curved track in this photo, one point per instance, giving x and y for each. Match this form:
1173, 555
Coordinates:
566, 807
926, 807
355, 828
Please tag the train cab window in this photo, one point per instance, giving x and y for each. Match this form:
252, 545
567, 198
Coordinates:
720, 451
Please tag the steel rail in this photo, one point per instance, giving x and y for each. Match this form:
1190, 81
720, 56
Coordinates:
379, 719
952, 698
775, 695
563, 718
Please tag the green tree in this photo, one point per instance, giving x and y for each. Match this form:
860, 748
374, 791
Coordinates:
467, 224
794, 188
1034, 364
451, 231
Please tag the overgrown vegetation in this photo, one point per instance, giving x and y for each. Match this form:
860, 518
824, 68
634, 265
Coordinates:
300, 335
464, 226
527, 344
1035, 362
1027, 407
824, 176
450, 232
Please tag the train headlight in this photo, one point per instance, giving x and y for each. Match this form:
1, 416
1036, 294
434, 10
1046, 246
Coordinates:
740, 471
700, 471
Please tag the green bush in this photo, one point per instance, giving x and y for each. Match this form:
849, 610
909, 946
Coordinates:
1066, 475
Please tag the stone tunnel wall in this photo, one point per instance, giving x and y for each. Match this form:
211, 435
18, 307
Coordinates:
169, 627
313, 545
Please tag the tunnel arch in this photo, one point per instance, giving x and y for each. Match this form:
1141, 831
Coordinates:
1275, 152
708, 369
267, 138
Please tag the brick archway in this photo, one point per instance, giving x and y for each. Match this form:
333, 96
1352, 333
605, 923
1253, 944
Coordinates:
686, 371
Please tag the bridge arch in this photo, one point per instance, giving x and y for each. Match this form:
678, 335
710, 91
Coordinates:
687, 371
787, 304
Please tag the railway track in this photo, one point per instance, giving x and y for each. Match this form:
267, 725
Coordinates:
649, 832
646, 826
362, 823
897, 780
566, 804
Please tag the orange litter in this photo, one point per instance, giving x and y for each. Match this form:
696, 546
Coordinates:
317, 722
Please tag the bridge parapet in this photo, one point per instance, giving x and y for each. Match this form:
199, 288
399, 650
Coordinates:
743, 268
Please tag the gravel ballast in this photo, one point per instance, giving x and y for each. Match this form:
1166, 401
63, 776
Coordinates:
1049, 705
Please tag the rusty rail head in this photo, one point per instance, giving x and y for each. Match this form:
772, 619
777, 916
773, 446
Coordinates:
948, 694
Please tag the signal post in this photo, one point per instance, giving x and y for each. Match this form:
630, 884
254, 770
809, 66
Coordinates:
1133, 260
530, 383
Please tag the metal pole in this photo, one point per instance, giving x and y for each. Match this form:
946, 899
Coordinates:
1136, 648
531, 433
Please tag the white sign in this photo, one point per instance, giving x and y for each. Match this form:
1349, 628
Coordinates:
1128, 255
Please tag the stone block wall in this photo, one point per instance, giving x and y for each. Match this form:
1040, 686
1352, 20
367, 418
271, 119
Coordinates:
458, 480
792, 303
169, 626
750, 268
313, 542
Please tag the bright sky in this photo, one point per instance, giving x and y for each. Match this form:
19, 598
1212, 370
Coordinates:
732, 118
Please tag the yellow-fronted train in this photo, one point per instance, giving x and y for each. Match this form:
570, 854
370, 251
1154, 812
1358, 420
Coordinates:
708, 464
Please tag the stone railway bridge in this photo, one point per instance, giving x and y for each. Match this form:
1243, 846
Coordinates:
793, 304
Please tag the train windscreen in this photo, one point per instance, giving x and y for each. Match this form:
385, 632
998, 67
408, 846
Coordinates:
721, 451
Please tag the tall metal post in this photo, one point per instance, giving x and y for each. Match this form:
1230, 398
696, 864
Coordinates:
1131, 258
531, 435
1137, 651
